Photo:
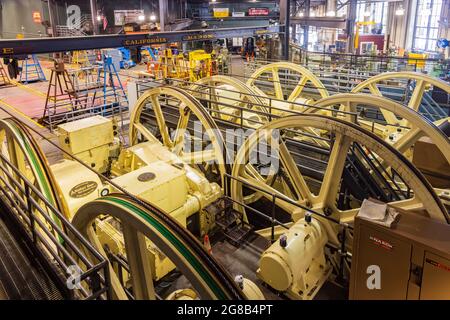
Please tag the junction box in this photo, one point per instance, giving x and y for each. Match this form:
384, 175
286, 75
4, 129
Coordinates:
90, 139
413, 259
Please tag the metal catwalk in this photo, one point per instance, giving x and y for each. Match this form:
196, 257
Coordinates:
21, 276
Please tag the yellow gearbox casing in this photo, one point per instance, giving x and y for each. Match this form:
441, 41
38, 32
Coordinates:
91, 140
162, 185
78, 184
159, 183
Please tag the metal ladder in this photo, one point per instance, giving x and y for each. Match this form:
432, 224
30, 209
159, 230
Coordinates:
31, 70
4, 79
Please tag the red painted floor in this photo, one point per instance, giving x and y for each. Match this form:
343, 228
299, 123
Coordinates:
30, 98
28, 102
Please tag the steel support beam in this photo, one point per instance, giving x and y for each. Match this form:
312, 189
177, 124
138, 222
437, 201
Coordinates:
162, 14
18, 47
51, 15
321, 22
94, 16
351, 21
306, 26
285, 16
1, 19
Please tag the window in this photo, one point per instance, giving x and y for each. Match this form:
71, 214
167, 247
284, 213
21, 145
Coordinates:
376, 12
427, 24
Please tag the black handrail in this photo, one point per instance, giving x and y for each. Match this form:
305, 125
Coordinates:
58, 241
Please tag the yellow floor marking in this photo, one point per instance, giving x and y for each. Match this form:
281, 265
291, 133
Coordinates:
15, 110
20, 85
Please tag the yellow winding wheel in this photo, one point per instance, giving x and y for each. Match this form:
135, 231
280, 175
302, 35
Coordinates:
288, 82
179, 121
295, 187
19, 150
140, 221
230, 97
361, 109
422, 84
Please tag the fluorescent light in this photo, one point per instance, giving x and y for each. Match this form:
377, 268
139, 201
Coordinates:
141, 18
331, 13
99, 18
152, 17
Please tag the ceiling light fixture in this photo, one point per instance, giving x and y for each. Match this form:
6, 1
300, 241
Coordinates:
400, 12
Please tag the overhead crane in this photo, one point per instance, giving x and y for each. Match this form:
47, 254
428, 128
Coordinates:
11, 48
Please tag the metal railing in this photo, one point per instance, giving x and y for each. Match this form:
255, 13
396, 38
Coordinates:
343, 80
65, 252
229, 114
372, 63
93, 95
66, 31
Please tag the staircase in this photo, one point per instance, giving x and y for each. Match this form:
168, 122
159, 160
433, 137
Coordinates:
229, 221
77, 31
21, 276
65, 31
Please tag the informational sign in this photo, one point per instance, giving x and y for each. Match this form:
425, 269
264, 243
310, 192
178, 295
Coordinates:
195, 37
122, 17
83, 189
258, 11
237, 42
238, 14
145, 42
221, 12
37, 18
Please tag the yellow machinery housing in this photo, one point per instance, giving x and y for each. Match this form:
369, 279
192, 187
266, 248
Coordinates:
92, 140
201, 65
147, 170
295, 264
169, 65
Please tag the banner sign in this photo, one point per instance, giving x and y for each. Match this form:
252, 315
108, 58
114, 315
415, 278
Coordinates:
37, 18
238, 14
258, 11
221, 12
122, 17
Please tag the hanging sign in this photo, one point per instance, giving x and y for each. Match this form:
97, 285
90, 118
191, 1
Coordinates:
37, 18
238, 14
122, 17
258, 11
